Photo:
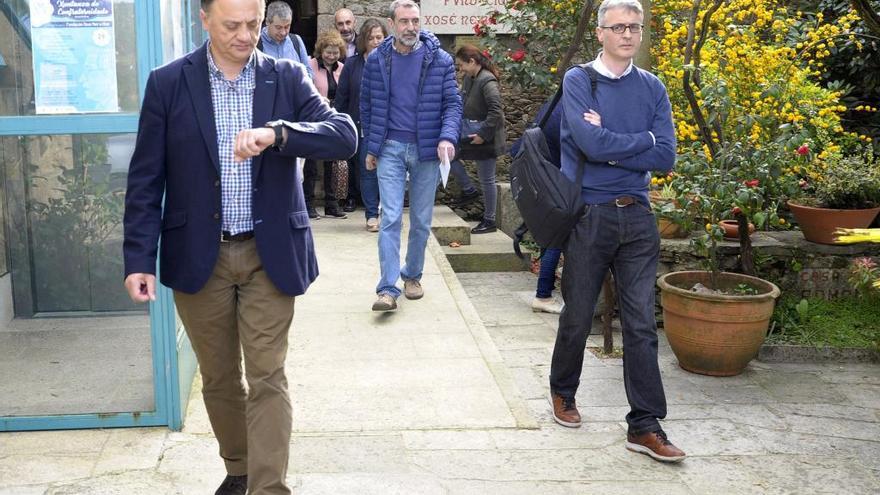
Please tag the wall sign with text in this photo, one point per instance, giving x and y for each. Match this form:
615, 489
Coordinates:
456, 16
74, 53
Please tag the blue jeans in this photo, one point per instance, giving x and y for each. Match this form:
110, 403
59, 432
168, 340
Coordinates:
369, 183
395, 160
547, 275
626, 241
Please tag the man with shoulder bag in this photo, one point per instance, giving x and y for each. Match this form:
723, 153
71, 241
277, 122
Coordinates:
626, 134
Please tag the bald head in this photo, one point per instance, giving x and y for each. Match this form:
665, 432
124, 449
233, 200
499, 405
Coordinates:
344, 22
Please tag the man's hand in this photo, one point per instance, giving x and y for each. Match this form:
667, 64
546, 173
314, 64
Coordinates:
371, 162
445, 148
252, 142
141, 287
594, 118
476, 139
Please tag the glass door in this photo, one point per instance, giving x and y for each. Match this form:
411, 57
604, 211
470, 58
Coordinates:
79, 352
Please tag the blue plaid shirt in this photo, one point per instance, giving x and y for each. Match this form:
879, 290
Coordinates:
233, 112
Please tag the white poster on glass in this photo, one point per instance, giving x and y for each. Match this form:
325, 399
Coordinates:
74, 53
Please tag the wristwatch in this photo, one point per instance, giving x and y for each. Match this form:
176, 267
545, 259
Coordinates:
277, 126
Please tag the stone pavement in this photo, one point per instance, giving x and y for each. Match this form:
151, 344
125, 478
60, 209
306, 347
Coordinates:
448, 396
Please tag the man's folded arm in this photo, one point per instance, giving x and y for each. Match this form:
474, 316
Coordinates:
597, 143
661, 157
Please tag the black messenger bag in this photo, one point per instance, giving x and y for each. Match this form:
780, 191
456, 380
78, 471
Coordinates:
550, 204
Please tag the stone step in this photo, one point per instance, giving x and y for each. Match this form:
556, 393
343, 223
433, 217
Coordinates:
492, 252
449, 227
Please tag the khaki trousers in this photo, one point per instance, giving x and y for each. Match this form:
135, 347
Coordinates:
239, 311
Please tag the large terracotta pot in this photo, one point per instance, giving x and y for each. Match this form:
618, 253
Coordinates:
818, 224
715, 334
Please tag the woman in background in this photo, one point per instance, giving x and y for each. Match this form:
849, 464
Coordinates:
326, 68
481, 97
348, 98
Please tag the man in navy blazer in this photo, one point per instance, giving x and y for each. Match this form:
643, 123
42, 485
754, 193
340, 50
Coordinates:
213, 176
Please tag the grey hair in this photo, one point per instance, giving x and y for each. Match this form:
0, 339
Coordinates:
396, 4
280, 10
630, 5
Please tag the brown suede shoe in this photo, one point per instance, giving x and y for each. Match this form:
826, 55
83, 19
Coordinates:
565, 411
654, 444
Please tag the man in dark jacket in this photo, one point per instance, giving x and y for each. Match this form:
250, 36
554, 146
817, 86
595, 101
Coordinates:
409, 126
218, 184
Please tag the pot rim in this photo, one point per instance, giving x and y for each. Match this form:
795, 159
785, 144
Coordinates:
772, 294
794, 203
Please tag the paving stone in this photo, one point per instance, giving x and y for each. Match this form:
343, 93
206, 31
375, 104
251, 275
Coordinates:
590, 435
529, 382
369, 484
59, 442
448, 440
348, 454
809, 444
833, 411
512, 337
835, 427
744, 414
799, 386
131, 449
25, 469
861, 395
138, 482
534, 356
712, 437
551, 465
24, 490
857, 374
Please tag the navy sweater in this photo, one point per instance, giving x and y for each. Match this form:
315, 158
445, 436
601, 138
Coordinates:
619, 155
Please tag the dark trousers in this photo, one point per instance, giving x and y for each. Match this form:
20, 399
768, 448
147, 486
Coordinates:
310, 177
626, 241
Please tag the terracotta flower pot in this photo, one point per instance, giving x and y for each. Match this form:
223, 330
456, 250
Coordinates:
731, 229
670, 230
715, 334
818, 224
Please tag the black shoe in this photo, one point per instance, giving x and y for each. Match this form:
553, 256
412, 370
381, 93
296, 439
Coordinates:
333, 212
233, 485
313, 213
466, 198
485, 227
350, 205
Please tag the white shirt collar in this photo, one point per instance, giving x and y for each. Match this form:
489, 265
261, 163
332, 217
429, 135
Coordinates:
602, 69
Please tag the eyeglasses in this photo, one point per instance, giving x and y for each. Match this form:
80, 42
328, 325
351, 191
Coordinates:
621, 28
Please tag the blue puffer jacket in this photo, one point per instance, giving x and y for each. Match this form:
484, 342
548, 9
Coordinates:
439, 107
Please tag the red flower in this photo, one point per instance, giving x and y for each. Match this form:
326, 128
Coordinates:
518, 55
752, 183
736, 211
478, 29
487, 55
803, 150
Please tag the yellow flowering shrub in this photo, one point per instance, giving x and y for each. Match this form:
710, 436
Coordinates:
756, 77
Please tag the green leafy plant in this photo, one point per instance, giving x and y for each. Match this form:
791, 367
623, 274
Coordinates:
845, 182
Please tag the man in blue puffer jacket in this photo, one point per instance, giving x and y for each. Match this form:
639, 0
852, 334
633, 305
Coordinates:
408, 127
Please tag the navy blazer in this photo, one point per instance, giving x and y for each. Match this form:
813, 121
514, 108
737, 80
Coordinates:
176, 158
348, 95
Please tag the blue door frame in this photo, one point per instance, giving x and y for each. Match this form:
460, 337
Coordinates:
174, 363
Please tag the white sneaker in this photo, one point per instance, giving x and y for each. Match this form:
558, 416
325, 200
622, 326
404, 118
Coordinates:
548, 305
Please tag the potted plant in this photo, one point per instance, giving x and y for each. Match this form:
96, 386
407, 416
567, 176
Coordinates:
671, 207
841, 192
716, 321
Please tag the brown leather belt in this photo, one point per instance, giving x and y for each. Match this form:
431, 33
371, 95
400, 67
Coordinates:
621, 202
225, 236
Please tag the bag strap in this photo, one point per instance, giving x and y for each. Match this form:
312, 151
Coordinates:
594, 78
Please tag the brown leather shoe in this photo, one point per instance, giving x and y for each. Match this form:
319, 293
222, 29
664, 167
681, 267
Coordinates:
565, 411
654, 444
